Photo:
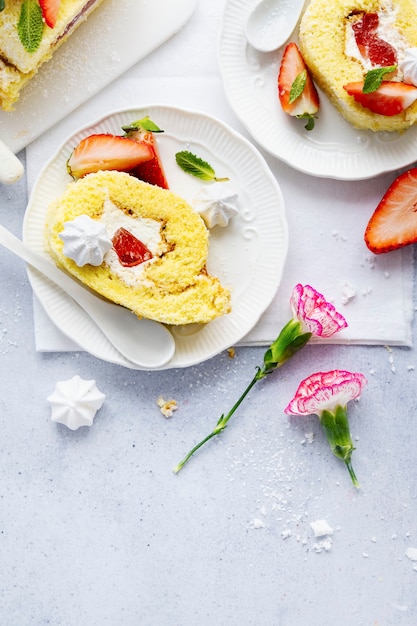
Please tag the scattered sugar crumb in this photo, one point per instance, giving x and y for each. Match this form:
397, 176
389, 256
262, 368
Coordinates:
410, 368
167, 406
321, 528
386, 274
370, 260
348, 293
286, 533
372, 372
391, 362
367, 291
257, 523
337, 236
365, 555
231, 352
325, 545
308, 438
411, 553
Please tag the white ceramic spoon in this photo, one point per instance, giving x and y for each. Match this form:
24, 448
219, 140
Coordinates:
143, 342
11, 169
272, 22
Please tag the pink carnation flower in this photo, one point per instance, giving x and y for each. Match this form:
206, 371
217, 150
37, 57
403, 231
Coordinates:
326, 394
312, 309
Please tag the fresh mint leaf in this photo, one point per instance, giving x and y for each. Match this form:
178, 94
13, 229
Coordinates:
298, 85
194, 165
30, 25
2, 5
374, 78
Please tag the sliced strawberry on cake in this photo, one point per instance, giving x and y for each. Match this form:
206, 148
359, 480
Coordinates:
107, 152
50, 9
390, 98
297, 93
394, 222
151, 171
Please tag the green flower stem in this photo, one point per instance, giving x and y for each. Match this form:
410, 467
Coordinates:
352, 474
222, 423
336, 427
290, 340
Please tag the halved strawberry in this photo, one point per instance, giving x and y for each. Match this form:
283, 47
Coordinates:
394, 222
50, 10
391, 98
151, 171
106, 152
297, 93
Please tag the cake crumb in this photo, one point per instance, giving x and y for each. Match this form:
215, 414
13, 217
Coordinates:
348, 293
411, 553
325, 545
167, 406
321, 528
257, 523
231, 352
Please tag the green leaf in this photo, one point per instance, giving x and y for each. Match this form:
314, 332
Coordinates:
298, 85
195, 166
30, 25
374, 78
145, 124
2, 5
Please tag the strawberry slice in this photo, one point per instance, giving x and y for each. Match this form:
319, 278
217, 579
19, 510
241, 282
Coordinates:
106, 152
50, 9
391, 98
151, 171
130, 250
394, 222
297, 93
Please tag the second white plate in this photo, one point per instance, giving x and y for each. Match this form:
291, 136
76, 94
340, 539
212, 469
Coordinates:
334, 149
248, 255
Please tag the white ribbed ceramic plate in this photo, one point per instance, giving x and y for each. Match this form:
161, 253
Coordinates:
248, 255
334, 149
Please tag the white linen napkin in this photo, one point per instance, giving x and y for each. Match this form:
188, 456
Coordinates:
326, 218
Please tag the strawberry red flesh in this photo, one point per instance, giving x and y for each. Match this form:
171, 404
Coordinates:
378, 51
292, 66
391, 98
107, 152
50, 9
130, 250
394, 222
151, 171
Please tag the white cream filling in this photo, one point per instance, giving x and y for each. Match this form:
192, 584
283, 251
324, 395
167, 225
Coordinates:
147, 230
